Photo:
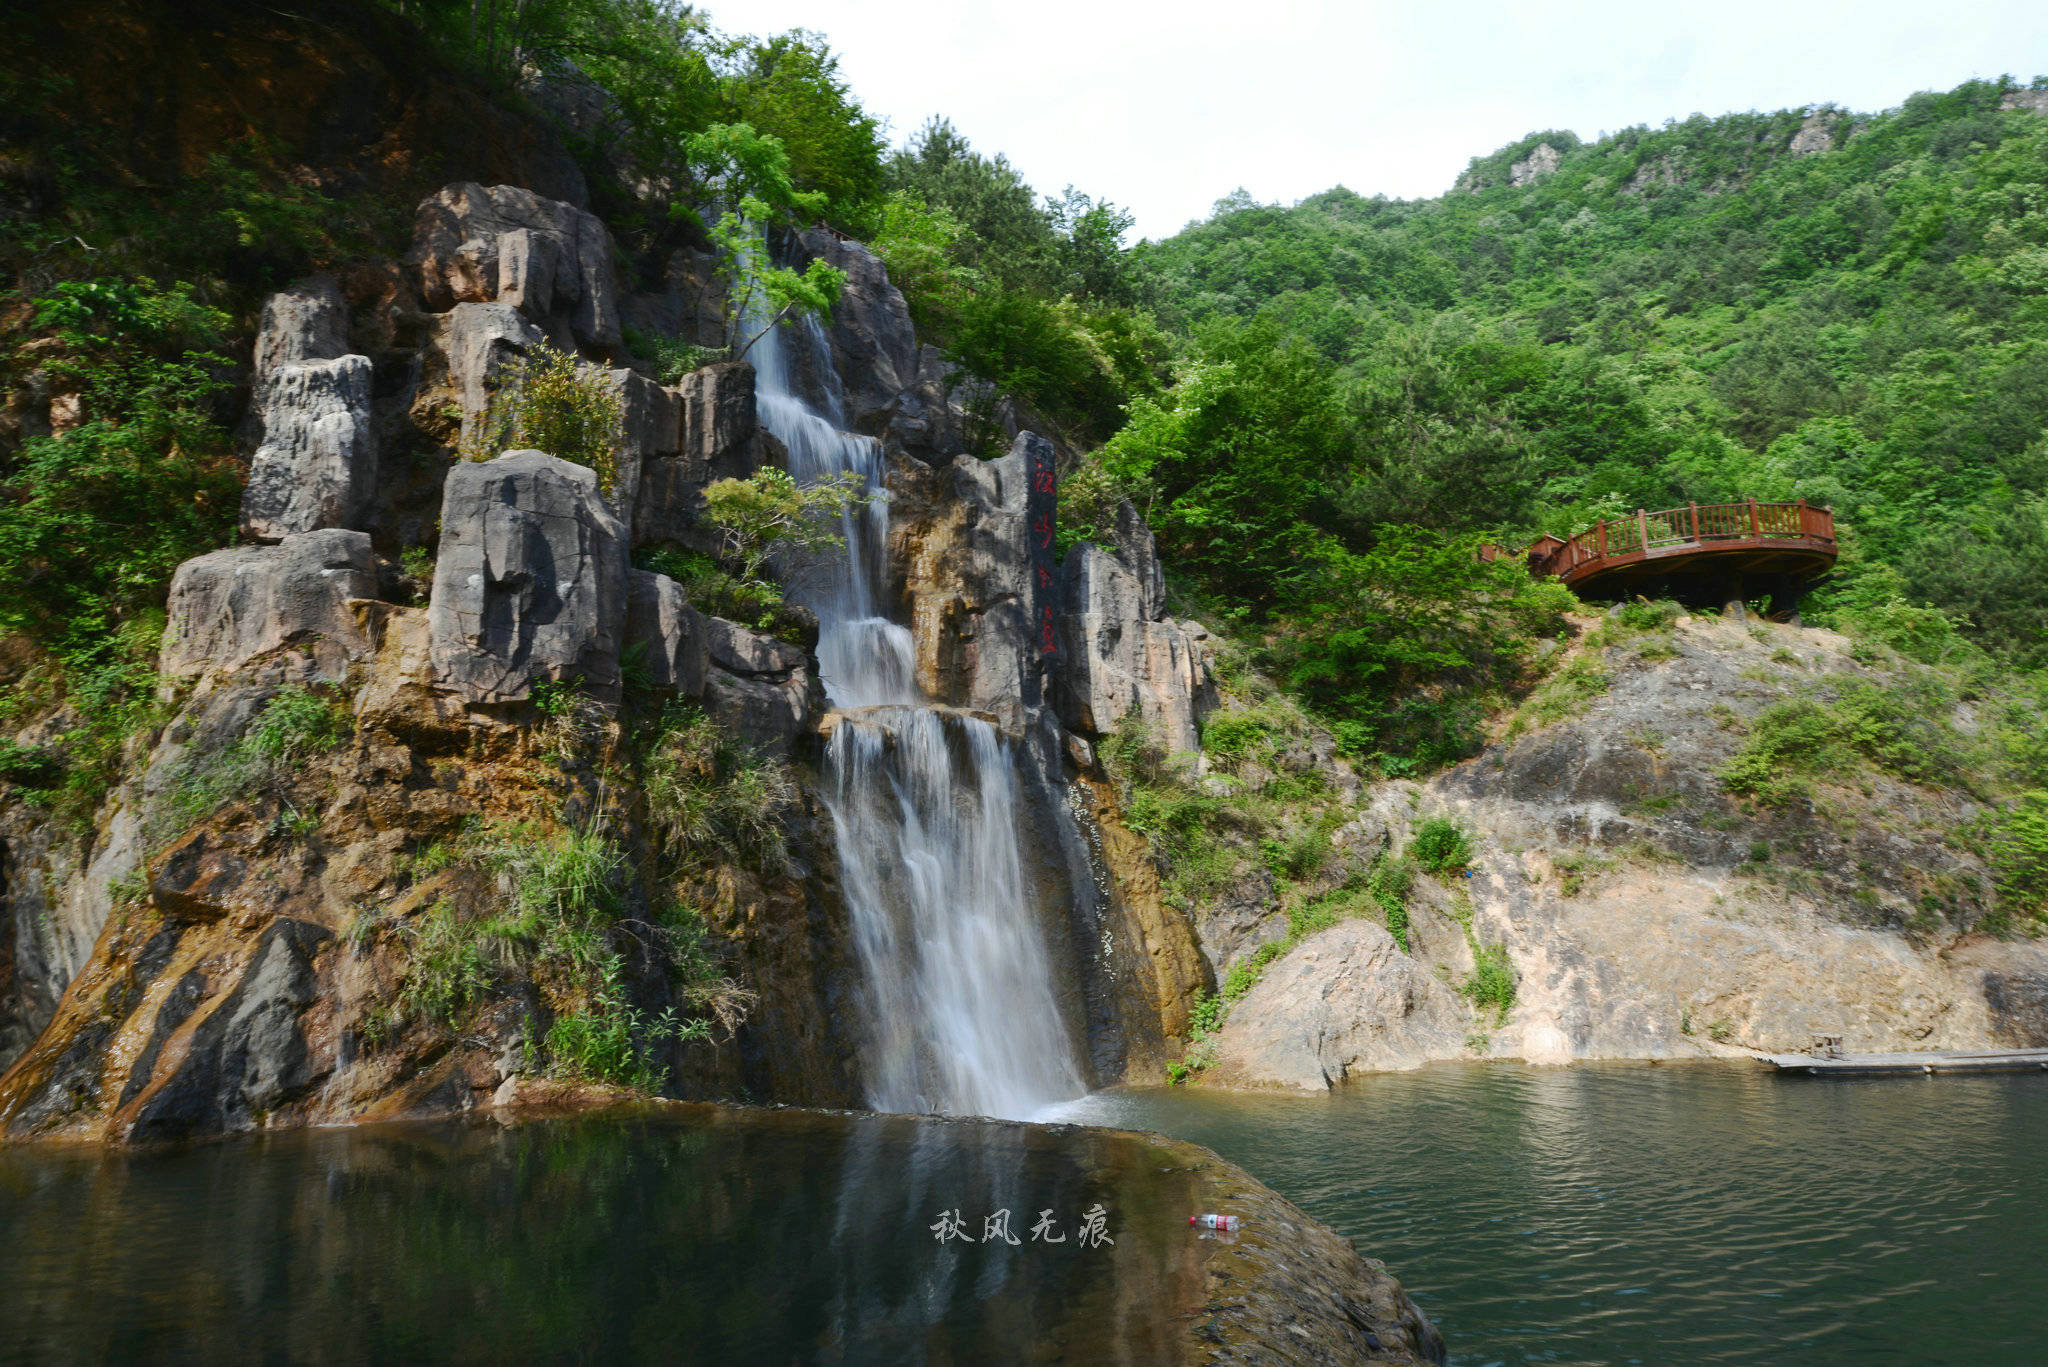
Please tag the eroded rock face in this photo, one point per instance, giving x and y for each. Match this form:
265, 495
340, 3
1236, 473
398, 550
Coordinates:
308, 321
960, 540
481, 347
1121, 661
531, 580
649, 428
1815, 135
1543, 160
317, 466
549, 260
716, 437
248, 1056
228, 607
873, 344
758, 686
1345, 1001
671, 638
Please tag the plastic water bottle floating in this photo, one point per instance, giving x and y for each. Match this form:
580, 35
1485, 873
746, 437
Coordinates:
1214, 1221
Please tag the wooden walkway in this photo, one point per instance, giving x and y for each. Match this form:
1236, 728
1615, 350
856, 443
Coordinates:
1901, 1065
1781, 544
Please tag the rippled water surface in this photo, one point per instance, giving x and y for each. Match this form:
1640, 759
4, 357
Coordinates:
1673, 1214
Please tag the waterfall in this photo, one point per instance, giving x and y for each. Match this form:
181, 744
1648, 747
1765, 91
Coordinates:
962, 1016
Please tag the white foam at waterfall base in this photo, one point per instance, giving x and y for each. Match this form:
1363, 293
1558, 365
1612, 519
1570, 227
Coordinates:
962, 1015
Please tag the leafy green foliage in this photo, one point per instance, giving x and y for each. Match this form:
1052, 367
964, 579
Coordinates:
295, 725
1441, 846
1897, 728
556, 405
769, 513
97, 516
2019, 854
1691, 313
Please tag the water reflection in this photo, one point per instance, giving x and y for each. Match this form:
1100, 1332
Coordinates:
728, 1237
1669, 1214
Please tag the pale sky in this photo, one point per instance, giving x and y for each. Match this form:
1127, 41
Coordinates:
1166, 107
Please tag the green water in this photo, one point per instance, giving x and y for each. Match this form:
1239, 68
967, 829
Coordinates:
1673, 1214
710, 1237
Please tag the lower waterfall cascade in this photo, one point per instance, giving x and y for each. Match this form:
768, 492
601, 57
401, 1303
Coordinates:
925, 804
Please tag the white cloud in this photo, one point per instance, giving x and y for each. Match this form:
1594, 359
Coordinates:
1166, 107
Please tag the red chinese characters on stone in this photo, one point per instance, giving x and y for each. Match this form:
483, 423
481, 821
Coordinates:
1048, 638
1043, 527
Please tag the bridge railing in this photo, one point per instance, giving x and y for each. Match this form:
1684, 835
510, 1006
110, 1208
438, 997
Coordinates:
1701, 524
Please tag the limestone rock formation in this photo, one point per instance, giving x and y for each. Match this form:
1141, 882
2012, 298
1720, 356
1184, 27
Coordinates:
1346, 1001
531, 580
317, 466
307, 321
716, 437
649, 418
1120, 658
2034, 101
1543, 160
959, 539
549, 260
669, 639
1815, 135
479, 349
230, 606
758, 686
874, 347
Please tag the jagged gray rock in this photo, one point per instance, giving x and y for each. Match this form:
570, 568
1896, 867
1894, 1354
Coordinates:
306, 321
929, 418
758, 686
671, 637
531, 579
1815, 135
717, 437
1123, 654
482, 347
649, 424
873, 342
1345, 1001
317, 466
1543, 160
249, 1055
229, 606
551, 261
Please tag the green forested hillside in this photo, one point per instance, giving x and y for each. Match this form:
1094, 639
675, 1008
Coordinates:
1692, 312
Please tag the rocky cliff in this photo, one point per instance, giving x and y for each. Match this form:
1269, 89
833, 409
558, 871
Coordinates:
257, 928
1644, 909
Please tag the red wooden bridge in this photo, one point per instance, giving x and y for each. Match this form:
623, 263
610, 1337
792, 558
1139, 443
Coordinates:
1702, 551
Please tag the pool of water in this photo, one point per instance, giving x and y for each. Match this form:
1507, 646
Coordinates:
1669, 1214
705, 1236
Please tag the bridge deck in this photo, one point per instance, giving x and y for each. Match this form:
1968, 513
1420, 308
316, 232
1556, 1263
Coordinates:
1787, 541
